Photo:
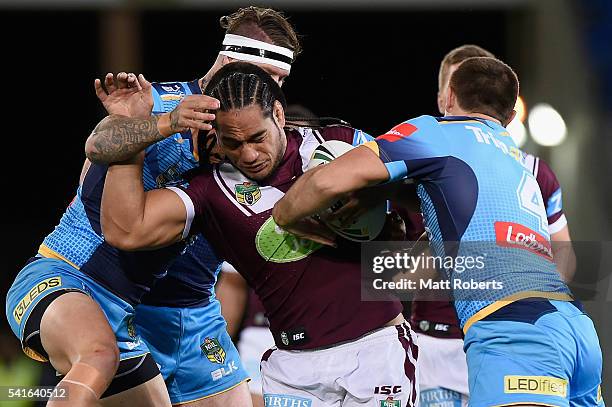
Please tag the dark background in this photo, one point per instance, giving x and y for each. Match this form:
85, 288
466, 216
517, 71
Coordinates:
373, 70
372, 67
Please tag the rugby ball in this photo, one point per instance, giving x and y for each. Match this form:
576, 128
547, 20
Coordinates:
367, 226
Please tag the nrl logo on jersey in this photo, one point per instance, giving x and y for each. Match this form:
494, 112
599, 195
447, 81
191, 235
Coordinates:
247, 193
131, 329
213, 350
389, 402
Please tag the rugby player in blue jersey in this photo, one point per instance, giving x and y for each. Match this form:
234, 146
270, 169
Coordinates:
73, 305
528, 343
76, 276
180, 319
442, 363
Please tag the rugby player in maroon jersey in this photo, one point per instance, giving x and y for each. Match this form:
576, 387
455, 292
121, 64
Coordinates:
332, 348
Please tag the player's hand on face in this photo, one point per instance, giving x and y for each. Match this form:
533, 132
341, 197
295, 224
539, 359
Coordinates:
194, 112
125, 94
312, 229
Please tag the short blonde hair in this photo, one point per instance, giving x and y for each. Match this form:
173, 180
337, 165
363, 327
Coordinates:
457, 55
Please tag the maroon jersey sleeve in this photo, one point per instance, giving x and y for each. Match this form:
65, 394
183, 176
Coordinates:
551, 193
342, 133
194, 198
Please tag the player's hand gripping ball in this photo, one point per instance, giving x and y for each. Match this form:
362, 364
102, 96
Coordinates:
367, 226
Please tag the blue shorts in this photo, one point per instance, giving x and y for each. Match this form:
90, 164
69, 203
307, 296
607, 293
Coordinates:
532, 351
45, 276
193, 349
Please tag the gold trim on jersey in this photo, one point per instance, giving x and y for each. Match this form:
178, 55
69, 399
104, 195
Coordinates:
45, 251
489, 309
599, 398
32, 354
522, 403
372, 145
460, 121
167, 98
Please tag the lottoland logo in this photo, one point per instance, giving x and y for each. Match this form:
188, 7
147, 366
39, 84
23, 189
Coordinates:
509, 234
278, 246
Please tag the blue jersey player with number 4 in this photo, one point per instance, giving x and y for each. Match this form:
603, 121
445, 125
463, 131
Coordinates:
527, 343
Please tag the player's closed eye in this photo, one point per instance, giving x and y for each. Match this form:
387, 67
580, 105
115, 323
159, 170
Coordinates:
259, 138
231, 144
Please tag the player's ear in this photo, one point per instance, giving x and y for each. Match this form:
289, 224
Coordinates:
451, 100
279, 114
225, 60
441, 102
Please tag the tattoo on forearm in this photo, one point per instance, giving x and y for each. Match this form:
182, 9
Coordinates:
118, 138
174, 119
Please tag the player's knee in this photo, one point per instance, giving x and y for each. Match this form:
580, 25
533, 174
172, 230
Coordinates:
102, 355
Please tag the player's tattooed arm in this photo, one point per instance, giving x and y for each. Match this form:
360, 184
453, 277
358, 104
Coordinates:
118, 138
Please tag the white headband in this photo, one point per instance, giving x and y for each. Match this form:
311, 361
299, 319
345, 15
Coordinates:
250, 50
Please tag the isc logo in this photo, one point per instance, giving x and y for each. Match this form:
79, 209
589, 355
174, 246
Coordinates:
386, 390
298, 336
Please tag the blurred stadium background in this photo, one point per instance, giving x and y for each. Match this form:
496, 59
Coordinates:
372, 63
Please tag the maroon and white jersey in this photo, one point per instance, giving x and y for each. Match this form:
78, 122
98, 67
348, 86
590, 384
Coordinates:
311, 294
255, 315
438, 318
551, 192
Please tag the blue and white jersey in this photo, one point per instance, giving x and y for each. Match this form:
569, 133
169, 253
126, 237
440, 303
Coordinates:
479, 200
78, 238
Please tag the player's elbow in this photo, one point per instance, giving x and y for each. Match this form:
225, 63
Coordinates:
120, 241
91, 152
95, 144
127, 240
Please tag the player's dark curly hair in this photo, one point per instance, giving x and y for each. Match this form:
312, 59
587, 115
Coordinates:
241, 84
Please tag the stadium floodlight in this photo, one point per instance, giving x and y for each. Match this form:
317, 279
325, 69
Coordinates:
517, 131
521, 109
546, 125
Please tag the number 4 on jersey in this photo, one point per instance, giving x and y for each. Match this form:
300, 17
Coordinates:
531, 201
